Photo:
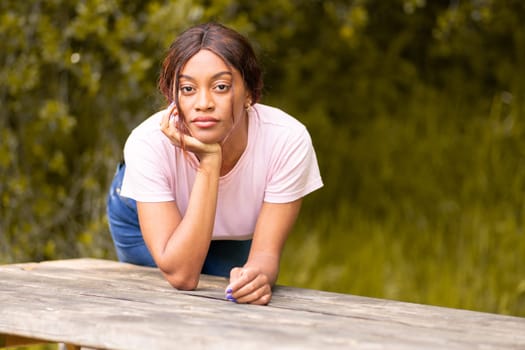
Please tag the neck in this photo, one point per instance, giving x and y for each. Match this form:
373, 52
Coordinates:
234, 146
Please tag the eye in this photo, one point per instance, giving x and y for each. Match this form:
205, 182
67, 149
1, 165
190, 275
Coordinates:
186, 89
222, 87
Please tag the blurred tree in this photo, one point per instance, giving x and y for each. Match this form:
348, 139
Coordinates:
74, 78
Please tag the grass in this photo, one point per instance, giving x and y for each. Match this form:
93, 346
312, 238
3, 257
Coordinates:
478, 268
427, 207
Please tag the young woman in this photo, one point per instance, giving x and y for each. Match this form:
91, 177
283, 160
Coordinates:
213, 183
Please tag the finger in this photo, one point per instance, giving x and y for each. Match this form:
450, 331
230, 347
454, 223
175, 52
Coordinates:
260, 296
240, 277
172, 108
168, 128
172, 134
250, 286
169, 117
264, 300
165, 119
235, 275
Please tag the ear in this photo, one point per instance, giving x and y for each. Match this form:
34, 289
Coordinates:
248, 100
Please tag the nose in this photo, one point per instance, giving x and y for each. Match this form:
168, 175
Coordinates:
204, 101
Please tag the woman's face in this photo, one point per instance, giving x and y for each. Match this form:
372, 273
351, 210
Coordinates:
212, 97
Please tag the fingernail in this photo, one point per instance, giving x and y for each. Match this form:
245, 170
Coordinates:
231, 298
229, 290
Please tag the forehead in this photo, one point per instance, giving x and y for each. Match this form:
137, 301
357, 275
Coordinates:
206, 63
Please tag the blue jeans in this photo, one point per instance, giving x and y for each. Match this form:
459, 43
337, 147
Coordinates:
223, 255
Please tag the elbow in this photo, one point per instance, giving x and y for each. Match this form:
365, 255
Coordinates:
182, 281
182, 277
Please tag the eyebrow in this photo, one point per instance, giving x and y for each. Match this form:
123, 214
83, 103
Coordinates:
215, 76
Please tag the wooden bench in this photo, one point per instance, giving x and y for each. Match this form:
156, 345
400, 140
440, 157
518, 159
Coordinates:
110, 305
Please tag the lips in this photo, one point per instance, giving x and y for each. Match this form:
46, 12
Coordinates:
204, 122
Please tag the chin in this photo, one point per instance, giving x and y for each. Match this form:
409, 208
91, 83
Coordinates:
207, 138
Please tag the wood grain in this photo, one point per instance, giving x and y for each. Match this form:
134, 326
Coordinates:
111, 305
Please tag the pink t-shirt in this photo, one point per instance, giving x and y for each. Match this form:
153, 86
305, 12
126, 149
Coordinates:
278, 166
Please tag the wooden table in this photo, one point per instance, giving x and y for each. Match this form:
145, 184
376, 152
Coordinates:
110, 305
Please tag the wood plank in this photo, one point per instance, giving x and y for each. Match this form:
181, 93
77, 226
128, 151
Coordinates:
108, 304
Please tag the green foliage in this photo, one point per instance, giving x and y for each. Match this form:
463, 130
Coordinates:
75, 78
415, 108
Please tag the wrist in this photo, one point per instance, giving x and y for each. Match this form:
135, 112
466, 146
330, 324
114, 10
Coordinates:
211, 163
266, 265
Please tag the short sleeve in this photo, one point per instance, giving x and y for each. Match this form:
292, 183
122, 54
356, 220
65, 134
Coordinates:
147, 175
294, 171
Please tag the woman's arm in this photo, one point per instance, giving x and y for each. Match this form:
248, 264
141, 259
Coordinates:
253, 282
179, 244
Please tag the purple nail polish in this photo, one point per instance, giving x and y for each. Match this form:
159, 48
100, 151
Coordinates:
231, 298
229, 290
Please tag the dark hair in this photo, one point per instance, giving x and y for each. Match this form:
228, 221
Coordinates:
226, 43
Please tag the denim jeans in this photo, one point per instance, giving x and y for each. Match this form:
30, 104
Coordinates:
222, 256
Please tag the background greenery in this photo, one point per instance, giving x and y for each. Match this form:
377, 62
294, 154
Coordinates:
416, 110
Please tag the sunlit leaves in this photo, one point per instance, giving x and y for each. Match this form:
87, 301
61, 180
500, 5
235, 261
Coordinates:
165, 20
75, 77
54, 116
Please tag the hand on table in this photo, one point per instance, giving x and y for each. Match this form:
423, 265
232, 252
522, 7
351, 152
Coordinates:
248, 285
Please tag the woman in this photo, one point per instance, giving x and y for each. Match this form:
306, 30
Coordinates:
212, 184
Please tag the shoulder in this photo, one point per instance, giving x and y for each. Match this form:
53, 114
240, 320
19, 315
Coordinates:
275, 117
147, 139
148, 132
279, 126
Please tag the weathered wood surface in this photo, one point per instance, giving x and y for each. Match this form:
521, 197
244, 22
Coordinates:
106, 304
